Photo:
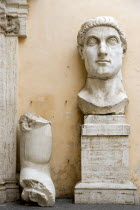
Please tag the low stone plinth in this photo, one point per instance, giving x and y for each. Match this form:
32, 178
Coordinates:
97, 193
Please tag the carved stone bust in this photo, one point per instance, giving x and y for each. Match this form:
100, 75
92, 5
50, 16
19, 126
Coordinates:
102, 44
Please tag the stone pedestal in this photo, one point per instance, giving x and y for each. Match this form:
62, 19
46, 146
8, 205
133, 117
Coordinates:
105, 162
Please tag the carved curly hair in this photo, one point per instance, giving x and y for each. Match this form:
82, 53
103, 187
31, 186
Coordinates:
101, 21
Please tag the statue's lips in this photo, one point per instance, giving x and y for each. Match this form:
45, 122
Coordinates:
103, 61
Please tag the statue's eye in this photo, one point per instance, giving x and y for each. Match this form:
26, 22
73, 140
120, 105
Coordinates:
112, 41
92, 41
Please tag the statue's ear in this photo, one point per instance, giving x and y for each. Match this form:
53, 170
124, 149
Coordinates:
80, 49
124, 48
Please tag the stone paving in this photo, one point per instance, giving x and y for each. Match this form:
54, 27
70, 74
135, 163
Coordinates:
64, 204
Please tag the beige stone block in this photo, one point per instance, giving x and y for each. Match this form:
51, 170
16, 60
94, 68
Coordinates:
104, 159
100, 193
105, 130
104, 119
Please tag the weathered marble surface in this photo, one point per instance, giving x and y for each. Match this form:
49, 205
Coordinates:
35, 151
13, 16
102, 44
105, 162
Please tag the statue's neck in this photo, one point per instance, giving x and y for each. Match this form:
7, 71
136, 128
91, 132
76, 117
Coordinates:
100, 96
103, 91
108, 86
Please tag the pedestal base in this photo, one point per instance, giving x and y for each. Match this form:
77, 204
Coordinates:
9, 191
101, 193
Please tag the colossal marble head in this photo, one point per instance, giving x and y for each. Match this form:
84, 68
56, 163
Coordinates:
101, 44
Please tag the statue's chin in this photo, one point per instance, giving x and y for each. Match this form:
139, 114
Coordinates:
103, 74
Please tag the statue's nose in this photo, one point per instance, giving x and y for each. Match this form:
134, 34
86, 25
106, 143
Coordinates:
102, 49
